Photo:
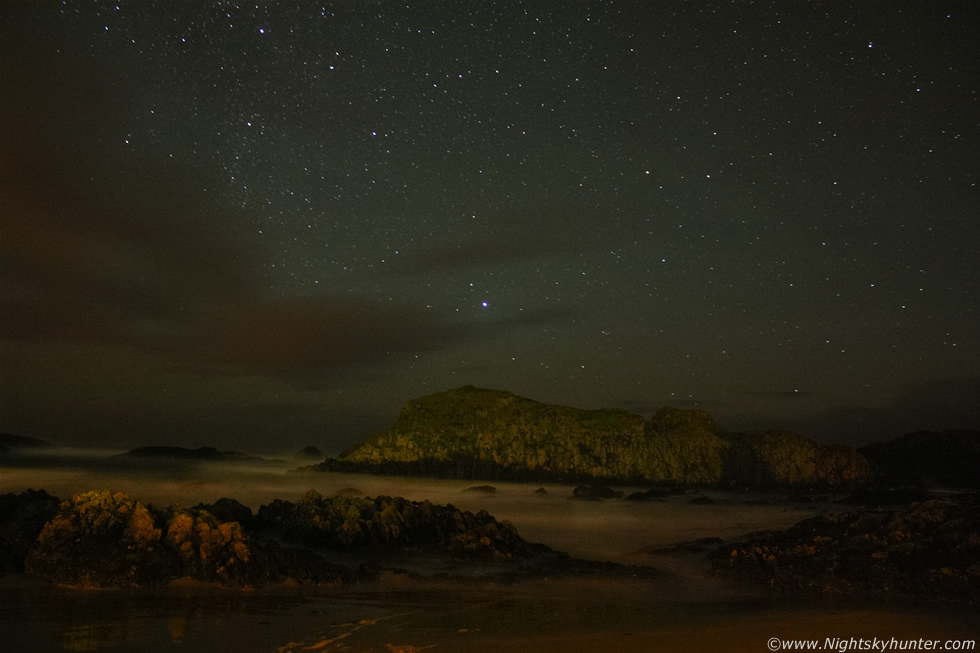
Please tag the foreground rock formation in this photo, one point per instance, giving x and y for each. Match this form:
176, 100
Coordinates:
105, 539
927, 550
488, 434
384, 523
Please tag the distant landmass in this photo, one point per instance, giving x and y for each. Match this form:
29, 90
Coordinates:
209, 454
10, 442
943, 458
476, 433
309, 453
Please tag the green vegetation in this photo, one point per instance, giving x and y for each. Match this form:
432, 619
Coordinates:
476, 433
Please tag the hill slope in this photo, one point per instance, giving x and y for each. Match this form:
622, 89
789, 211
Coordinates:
476, 433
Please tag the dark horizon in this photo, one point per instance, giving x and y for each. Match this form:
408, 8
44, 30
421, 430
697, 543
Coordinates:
265, 227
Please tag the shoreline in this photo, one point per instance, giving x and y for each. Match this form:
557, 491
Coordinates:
683, 607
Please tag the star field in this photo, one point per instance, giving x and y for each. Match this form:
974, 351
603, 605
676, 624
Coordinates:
277, 222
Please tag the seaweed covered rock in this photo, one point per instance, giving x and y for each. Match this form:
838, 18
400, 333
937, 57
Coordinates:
105, 539
22, 516
927, 550
359, 524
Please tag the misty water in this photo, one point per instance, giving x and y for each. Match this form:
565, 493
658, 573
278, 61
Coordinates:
446, 605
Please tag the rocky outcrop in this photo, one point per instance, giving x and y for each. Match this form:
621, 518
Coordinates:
387, 523
229, 510
22, 516
475, 433
944, 458
105, 539
926, 550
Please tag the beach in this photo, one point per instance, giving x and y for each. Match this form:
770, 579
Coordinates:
426, 602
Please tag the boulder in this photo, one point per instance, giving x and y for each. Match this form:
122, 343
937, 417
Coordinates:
481, 489
229, 510
649, 495
594, 492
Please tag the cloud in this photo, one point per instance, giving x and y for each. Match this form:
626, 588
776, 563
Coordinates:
95, 253
302, 336
512, 236
185, 293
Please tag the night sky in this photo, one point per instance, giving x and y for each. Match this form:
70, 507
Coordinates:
265, 225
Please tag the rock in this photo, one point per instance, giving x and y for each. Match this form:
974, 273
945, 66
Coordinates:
541, 490
22, 517
229, 510
649, 495
781, 458
482, 489
929, 550
100, 539
105, 539
595, 492
387, 523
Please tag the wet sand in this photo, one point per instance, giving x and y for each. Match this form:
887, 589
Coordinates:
400, 615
